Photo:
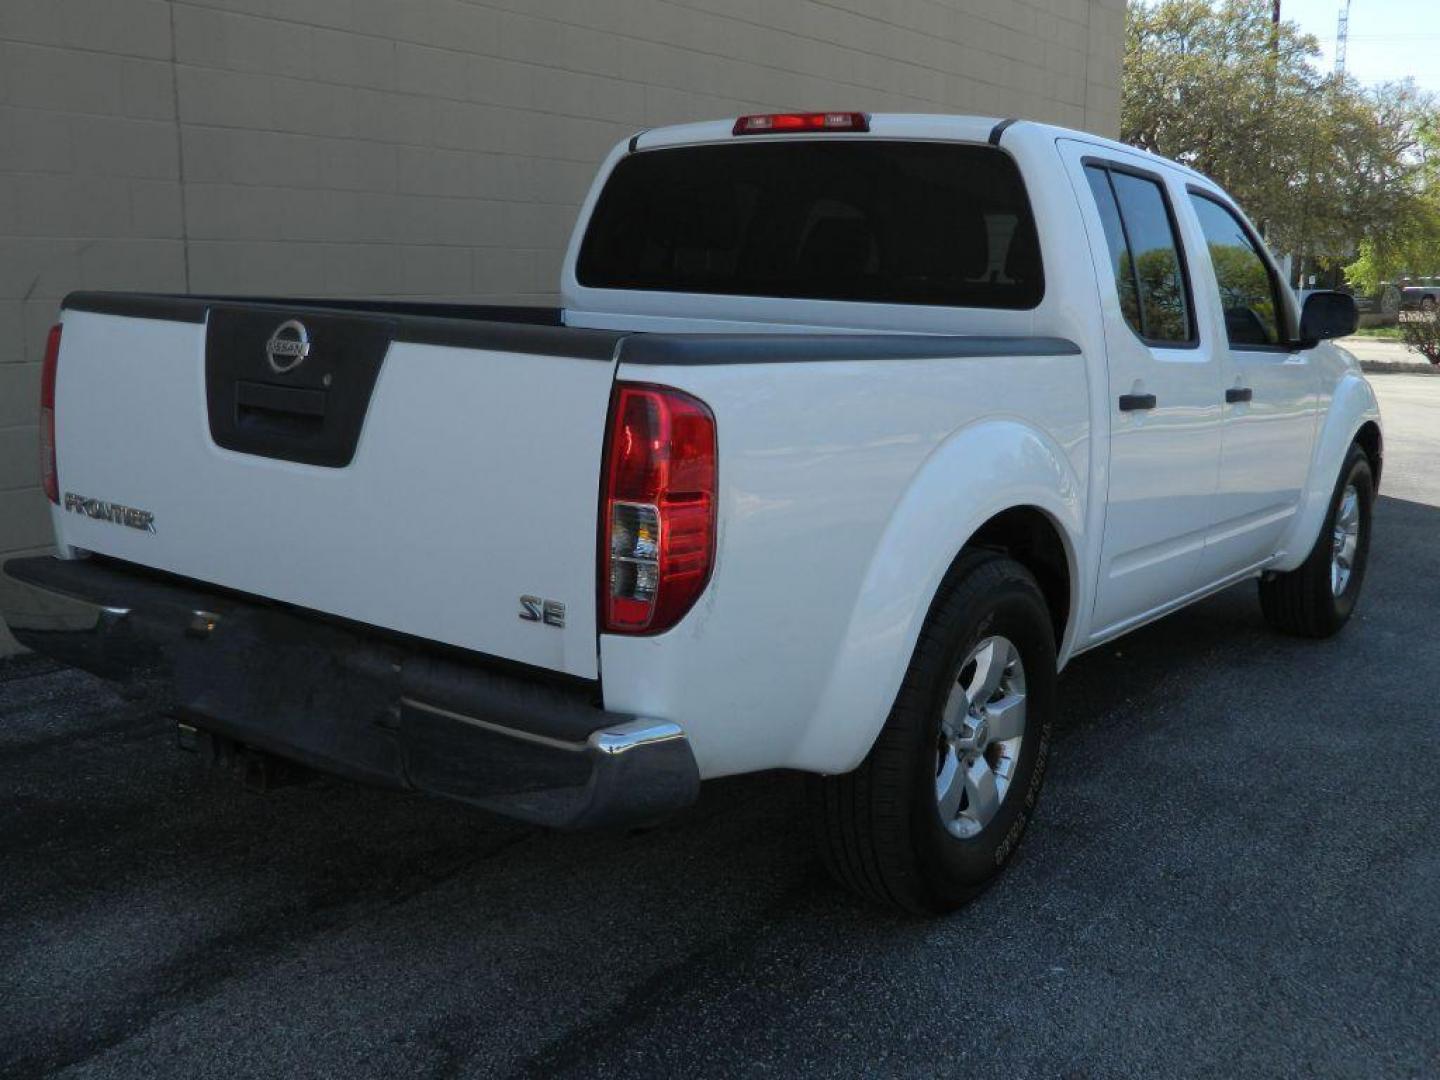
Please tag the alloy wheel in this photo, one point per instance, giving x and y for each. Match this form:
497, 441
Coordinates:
981, 732
1346, 540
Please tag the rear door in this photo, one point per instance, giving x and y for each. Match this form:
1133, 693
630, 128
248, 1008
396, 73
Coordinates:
1164, 389
1271, 392
411, 473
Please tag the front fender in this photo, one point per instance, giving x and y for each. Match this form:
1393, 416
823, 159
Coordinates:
1351, 407
979, 471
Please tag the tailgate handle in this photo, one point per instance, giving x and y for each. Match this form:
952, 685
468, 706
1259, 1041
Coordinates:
281, 410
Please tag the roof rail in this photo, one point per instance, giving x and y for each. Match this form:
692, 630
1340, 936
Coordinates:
999, 129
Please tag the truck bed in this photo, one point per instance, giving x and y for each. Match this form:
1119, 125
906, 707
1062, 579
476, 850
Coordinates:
423, 470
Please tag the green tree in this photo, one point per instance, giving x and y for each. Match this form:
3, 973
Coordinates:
1320, 163
1413, 246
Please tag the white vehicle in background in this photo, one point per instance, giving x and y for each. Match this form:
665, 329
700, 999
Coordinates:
851, 432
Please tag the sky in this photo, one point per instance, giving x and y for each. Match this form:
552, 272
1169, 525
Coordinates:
1389, 39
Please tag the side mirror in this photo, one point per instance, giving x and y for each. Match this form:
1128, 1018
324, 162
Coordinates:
1327, 315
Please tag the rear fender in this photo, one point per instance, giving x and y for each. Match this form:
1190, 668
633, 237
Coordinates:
994, 465
1352, 406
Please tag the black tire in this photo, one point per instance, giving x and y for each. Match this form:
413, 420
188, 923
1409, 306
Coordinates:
879, 827
1303, 602
1427, 303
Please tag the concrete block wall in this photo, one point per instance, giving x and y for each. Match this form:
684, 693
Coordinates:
427, 148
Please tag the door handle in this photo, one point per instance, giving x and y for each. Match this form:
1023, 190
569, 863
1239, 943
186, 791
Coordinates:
1237, 394
1136, 402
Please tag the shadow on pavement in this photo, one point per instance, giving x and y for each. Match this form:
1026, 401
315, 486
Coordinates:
1236, 837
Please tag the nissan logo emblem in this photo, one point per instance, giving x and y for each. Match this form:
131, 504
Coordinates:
288, 346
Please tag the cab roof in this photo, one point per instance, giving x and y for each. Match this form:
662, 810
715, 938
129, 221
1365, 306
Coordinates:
970, 129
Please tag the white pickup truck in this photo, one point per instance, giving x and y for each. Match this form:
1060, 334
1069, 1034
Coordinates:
851, 431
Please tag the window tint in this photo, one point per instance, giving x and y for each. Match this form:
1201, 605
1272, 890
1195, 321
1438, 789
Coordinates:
1119, 250
1145, 254
889, 222
1247, 291
1156, 253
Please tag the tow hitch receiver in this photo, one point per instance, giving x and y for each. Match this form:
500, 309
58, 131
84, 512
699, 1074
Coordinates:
255, 769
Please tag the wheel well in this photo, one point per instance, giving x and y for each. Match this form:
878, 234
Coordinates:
1030, 537
1370, 441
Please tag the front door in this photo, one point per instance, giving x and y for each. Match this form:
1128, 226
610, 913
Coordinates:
1270, 394
1165, 390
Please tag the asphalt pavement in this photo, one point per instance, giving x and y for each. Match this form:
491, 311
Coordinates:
1233, 872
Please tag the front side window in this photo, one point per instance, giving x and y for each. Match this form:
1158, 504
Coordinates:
1248, 294
1144, 254
865, 220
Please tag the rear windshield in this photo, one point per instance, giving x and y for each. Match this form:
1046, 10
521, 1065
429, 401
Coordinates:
866, 220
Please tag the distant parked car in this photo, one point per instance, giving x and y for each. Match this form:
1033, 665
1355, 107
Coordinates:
1386, 300
1420, 298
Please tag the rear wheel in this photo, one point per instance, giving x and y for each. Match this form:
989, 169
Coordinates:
938, 806
1317, 598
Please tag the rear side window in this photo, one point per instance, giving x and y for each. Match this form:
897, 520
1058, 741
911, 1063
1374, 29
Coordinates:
861, 220
1144, 254
1247, 289
1120, 264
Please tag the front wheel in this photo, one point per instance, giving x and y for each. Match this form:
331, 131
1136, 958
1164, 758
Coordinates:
938, 806
1317, 598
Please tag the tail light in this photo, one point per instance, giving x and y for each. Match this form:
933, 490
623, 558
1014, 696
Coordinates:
658, 516
49, 475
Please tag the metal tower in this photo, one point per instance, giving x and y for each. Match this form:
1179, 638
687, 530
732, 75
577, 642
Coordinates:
1342, 38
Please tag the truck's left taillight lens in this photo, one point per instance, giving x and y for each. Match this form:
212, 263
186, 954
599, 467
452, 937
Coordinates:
657, 541
49, 475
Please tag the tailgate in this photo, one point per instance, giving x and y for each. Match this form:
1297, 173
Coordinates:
412, 473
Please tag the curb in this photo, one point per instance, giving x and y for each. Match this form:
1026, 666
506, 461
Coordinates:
1375, 367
